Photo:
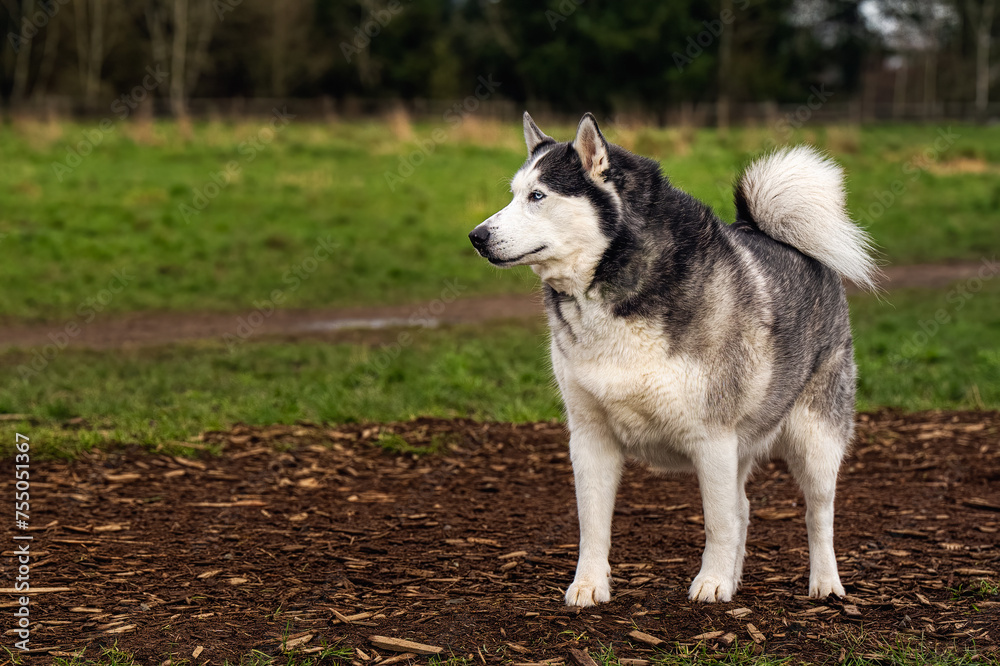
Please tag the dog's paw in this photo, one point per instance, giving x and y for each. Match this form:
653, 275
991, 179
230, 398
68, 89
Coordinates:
711, 589
588, 591
822, 587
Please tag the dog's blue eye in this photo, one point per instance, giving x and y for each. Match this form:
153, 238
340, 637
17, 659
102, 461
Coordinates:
537, 196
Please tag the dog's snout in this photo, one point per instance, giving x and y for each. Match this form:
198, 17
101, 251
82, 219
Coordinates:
479, 237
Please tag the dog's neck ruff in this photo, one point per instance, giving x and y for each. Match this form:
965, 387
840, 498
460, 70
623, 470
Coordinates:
565, 277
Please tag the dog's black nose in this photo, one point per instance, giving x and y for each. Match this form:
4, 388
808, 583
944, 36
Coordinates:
479, 236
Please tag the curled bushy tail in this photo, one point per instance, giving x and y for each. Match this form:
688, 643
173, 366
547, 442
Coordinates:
796, 196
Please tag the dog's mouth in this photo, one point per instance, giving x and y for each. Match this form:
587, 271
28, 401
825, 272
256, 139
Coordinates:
507, 262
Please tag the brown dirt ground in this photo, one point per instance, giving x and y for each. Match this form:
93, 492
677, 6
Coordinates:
353, 324
322, 536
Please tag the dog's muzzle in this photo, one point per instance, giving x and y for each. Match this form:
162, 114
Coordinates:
480, 236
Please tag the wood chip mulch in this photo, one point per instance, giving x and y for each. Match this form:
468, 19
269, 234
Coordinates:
299, 537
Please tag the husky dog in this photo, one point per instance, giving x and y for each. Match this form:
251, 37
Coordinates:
687, 343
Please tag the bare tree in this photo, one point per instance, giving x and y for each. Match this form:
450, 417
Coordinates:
180, 33
982, 21
725, 64
279, 48
91, 16
22, 59
50, 52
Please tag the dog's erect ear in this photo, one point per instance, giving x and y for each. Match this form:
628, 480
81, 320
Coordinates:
533, 137
591, 147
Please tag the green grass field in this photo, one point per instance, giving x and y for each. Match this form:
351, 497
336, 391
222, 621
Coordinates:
219, 218
310, 212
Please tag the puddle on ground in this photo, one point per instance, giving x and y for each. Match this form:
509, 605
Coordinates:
370, 324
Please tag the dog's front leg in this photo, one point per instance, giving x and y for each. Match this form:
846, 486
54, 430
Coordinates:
597, 466
717, 465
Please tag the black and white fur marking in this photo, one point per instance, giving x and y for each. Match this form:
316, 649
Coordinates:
687, 343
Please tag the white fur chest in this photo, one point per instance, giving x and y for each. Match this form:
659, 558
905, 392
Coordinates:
624, 370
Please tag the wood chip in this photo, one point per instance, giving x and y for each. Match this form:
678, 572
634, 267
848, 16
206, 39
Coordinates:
634, 662
400, 645
516, 553
84, 609
35, 590
122, 478
776, 514
209, 574
645, 638
396, 658
850, 610
980, 503
226, 505
581, 658
187, 462
121, 630
113, 527
300, 640
707, 636
755, 634
197, 651
738, 612
518, 648
973, 572
727, 639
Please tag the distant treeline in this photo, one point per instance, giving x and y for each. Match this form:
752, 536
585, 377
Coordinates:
625, 56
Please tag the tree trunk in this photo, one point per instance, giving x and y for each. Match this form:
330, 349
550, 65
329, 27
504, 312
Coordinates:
983, 31
204, 19
899, 91
22, 59
930, 83
82, 49
95, 55
279, 48
725, 66
178, 102
49, 56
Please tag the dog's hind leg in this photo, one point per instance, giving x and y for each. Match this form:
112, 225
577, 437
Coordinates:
723, 503
597, 466
813, 450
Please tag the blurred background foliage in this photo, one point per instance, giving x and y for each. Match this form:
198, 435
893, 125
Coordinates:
908, 57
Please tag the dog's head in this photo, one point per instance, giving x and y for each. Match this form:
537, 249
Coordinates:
563, 212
